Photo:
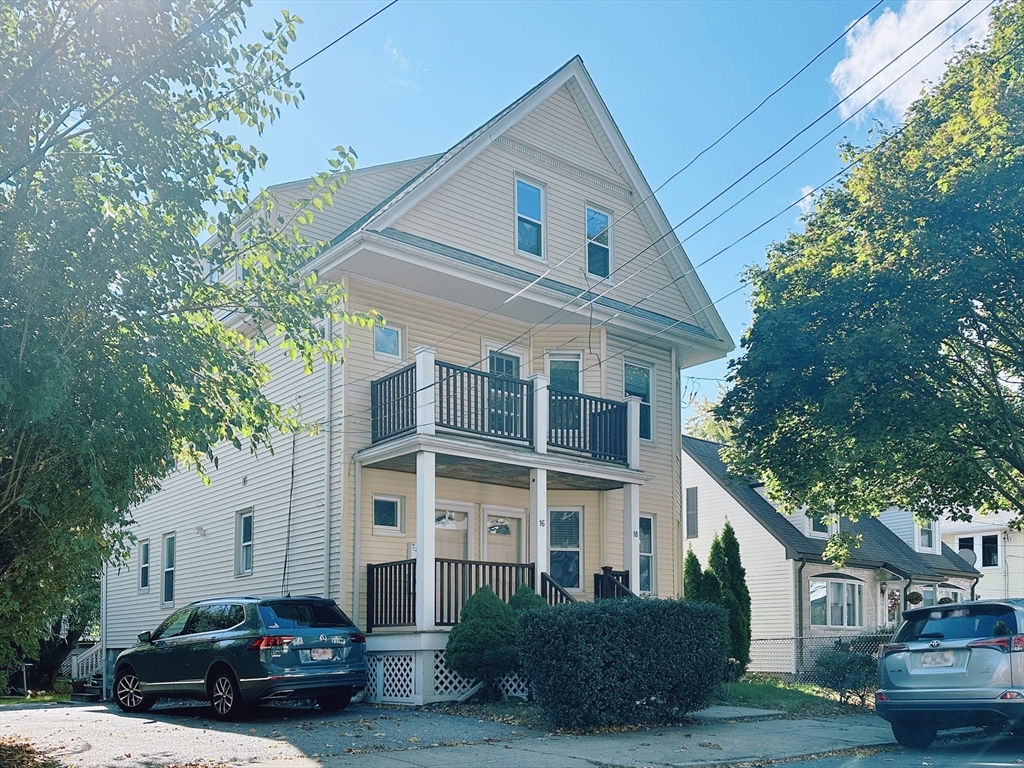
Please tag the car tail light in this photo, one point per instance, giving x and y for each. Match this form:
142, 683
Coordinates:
274, 641
358, 637
1012, 695
879, 696
888, 649
1006, 643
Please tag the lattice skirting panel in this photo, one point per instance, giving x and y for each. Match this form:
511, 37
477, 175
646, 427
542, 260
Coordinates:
420, 677
448, 682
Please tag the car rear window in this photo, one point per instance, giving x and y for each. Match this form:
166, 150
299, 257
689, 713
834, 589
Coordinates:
959, 623
295, 615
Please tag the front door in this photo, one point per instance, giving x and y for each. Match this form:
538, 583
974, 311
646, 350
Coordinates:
505, 409
451, 535
503, 537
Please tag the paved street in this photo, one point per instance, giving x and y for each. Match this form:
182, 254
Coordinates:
950, 753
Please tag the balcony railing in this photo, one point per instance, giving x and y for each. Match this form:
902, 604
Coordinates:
457, 580
483, 403
456, 399
391, 594
589, 425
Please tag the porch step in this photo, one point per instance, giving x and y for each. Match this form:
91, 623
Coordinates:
86, 697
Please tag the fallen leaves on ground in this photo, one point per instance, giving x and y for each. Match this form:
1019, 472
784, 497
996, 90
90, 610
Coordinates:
15, 752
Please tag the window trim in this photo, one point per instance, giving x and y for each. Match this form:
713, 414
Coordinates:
145, 566
695, 533
400, 330
542, 223
936, 547
565, 356
240, 544
569, 508
833, 526
587, 207
164, 569
653, 555
842, 624
650, 384
388, 530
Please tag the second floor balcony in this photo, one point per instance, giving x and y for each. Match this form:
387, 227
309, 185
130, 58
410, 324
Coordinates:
449, 398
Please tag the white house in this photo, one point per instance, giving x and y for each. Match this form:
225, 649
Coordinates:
998, 551
515, 421
798, 599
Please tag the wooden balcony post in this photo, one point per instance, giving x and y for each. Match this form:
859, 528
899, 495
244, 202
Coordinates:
633, 431
539, 519
426, 503
631, 529
425, 393
541, 407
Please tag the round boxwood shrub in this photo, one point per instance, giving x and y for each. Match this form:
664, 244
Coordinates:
482, 646
620, 662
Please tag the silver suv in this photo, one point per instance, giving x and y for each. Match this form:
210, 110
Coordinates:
953, 665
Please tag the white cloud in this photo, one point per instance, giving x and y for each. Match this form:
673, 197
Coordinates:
872, 45
397, 59
806, 204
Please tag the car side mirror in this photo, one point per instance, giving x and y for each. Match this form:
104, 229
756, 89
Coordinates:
144, 636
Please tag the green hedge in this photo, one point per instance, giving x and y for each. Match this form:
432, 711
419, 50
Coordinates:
847, 673
619, 662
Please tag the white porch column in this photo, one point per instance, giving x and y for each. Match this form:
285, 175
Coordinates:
426, 584
540, 411
424, 390
631, 533
539, 521
633, 431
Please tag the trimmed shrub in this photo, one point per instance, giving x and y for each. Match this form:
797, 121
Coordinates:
525, 599
847, 673
620, 662
482, 646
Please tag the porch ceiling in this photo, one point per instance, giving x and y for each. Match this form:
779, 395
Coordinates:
492, 473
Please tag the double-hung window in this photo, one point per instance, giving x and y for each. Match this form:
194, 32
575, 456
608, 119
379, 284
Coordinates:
529, 218
836, 603
243, 543
167, 587
144, 565
565, 538
927, 533
990, 551
599, 244
646, 582
638, 383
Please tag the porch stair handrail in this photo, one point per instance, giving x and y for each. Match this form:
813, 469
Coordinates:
553, 592
610, 584
85, 664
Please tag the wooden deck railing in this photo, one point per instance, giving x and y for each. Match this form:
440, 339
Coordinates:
592, 426
609, 584
393, 404
391, 594
483, 403
457, 580
553, 592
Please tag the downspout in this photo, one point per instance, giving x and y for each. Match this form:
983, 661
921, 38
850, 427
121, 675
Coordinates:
800, 599
328, 446
974, 584
357, 516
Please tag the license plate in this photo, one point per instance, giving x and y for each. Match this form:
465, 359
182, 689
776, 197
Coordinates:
937, 659
317, 654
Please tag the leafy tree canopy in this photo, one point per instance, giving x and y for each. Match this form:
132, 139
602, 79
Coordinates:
120, 354
885, 359
703, 423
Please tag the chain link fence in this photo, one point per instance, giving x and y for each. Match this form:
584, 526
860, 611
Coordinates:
793, 658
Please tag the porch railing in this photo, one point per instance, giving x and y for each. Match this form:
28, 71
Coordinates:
483, 403
590, 425
391, 594
457, 580
393, 404
553, 592
609, 584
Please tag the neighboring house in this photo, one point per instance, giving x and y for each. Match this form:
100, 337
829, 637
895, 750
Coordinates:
998, 551
515, 421
795, 593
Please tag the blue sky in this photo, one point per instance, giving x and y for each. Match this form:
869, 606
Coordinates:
675, 75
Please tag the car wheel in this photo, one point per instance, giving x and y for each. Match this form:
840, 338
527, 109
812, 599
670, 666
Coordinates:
225, 695
335, 702
128, 693
913, 736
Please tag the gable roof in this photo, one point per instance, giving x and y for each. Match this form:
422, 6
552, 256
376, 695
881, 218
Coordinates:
879, 548
381, 217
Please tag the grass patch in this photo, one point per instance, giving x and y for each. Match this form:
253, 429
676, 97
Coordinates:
36, 697
802, 699
527, 714
17, 753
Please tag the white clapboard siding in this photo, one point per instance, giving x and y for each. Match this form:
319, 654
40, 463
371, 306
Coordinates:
770, 576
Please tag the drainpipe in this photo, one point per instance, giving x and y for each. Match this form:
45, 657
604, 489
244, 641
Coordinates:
328, 469
800, 599
973, 585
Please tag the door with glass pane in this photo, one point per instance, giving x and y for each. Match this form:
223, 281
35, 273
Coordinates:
505, 408
503, 538
451, 535
564, 408
564, 547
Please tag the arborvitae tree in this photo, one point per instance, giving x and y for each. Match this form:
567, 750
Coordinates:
482, 646
724, 562
692, 589
710, 588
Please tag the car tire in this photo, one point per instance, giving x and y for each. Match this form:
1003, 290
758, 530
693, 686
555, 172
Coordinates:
128, 692
335, 702
225, 695
913, 736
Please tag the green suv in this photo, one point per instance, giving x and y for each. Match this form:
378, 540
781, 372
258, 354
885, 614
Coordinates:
238, 652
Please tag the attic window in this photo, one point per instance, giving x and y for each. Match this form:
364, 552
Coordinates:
529, 218
599, 249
